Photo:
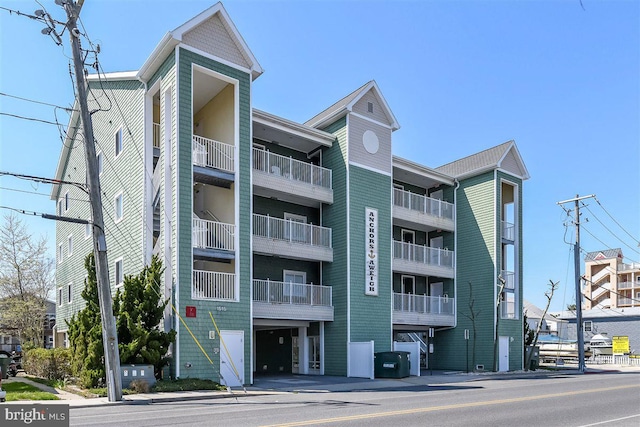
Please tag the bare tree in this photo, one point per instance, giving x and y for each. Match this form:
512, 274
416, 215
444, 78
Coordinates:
26, 280
549, 295
472, 315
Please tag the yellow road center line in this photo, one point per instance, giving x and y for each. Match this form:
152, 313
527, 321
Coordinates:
445, 407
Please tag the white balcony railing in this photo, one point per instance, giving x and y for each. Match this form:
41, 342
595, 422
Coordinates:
213, 235
423, 204
423, 254
291, 293
630, 266
508, 231
625, 301
291, 231
156, 135
410, 303
291, 169
213, 285
509, 279
627, 285
209, 153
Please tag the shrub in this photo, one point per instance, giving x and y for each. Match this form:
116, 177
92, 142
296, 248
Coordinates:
52, 364
139, 386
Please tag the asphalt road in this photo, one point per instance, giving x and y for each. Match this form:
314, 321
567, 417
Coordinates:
610, 400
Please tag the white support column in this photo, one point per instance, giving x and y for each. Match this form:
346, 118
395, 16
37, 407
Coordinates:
321, 348
303, 351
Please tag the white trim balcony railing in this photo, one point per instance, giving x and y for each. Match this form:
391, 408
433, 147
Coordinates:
423, 304
627, 285
271, 292
423, 254
213, 285
508, 231
156, 135
209, 153
631, 266
625, 301
509, 279
291, 169
422, 204
291, 231
213, 235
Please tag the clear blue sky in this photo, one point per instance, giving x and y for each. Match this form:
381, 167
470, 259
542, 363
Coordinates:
460, 76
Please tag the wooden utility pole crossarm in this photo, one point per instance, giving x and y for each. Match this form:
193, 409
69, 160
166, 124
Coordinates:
109, 335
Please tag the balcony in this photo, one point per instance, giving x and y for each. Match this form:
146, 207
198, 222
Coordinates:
625, 301
214, 286
291, 301
421, 212
629, 266
508, 232
422, 260
291, 239
627, 285
290, 180
509, 279
213, 161
212, 239
409, 309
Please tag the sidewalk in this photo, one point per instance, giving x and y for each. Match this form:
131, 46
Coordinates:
284, 384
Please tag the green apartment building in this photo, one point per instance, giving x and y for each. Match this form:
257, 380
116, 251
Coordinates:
310, 244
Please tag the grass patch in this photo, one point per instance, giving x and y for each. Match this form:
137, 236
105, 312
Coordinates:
187, 384
23, 391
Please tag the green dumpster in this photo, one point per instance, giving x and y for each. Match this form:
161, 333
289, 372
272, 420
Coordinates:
391, 364
4, 365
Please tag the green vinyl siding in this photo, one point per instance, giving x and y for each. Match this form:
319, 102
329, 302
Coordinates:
228, 315
277, 209
122, 175
335, 273
370, 315
475, 262
271, 268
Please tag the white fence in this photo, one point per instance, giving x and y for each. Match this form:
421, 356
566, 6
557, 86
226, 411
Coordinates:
289, 168
508, 231
292, 231
291, 293
422, 254
623, 360
209, 153
213, 285
361, 360
411, 303
213, 235
424, 204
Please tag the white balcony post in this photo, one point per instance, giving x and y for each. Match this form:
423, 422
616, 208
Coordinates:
290, 168
290, 292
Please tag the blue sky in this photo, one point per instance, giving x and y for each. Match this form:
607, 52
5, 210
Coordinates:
460, 76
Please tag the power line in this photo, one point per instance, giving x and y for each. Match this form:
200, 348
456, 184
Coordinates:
29, 118
47, 216
614, 220
37, 102
607, 228
44, 180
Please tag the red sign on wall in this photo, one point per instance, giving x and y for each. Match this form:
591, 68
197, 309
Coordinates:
191, 311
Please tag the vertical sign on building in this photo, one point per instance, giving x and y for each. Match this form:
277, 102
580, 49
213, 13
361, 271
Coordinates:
371, 249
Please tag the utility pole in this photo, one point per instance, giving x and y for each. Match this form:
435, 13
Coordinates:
109, 335
576, 268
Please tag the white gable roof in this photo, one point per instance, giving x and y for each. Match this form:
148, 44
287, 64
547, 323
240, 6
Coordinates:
212, 32
346, 104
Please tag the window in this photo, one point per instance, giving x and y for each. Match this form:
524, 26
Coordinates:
294, 282
370, 107
295, 228
69, 294
69, 245
60, 207
119, 273
118, 142
59, 296
587, 325
118, 207
100, 162
66, 201
60, 253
